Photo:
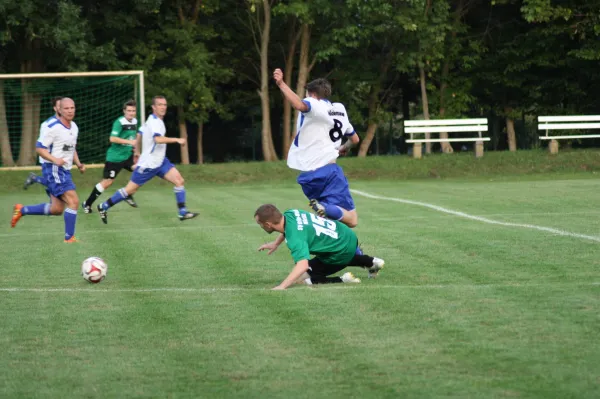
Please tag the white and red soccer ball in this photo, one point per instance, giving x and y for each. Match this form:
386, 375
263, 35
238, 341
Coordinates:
94, 269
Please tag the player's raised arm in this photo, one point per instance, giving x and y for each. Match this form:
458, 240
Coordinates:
288, 93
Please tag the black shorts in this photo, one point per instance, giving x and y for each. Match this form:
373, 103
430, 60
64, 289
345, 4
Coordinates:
112, 169
318, 268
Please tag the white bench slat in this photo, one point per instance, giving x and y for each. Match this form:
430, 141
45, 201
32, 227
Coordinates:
448, 129
446, 122
566, 126
573, 118
447, 140
579, 136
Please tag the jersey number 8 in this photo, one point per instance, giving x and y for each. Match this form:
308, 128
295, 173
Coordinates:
336, 133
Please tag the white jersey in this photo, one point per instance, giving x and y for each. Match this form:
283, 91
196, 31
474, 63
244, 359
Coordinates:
153, 154
43, 129
60, 141
312, 147
341, 124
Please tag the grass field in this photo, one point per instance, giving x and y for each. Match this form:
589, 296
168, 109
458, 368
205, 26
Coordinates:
483, 303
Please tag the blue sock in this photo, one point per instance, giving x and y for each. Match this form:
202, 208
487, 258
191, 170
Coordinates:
333, 211
40, 180
180, 198
358, 251
70, 219
117, 197
39, 209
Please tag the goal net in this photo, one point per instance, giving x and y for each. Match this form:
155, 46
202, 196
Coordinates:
26, 101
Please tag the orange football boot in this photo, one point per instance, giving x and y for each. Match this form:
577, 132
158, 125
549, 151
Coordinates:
16, 215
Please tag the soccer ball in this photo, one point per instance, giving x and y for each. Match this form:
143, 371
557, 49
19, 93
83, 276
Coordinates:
94, 270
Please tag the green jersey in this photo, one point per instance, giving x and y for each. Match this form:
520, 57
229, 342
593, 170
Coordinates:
331, 241
123, 129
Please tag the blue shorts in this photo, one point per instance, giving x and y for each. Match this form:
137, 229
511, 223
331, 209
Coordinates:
141, 176
328, 185
58, 180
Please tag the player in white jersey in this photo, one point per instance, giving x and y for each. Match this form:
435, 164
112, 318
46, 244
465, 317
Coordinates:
58, 148
343, 129
153, 162
33, 178
314, 151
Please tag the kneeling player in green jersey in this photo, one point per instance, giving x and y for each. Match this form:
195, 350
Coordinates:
334, 245
120, 154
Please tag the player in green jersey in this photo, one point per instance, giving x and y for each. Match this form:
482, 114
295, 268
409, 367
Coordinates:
120, 154
334, 245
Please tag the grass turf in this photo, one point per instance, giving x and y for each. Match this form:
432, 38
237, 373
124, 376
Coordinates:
463, 308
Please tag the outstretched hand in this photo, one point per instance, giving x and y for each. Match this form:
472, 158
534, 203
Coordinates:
271, 246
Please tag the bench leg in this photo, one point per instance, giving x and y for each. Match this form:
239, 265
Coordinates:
478, 149
417, 150
553, 147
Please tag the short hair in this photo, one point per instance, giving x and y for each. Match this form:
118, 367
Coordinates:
268, 213
55, 100
130, 103
321, 87
157, 98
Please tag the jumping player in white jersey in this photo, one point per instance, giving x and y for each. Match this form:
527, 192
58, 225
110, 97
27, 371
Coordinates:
57, 147
343, 129
314, 150
153, 162
33, 178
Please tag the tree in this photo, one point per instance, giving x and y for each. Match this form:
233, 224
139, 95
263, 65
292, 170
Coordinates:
258, 22
183, 69
43, 37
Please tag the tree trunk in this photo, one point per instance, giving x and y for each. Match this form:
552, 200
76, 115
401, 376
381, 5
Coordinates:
30, 103
425, 103
185, 153
446, 147
36, 105
287, 107
268, 148
5, 150
373, 105
512, 137
372, 125
303, 67
26, 156
366, 142
200, 144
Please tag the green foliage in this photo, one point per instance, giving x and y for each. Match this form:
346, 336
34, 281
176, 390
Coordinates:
509, 57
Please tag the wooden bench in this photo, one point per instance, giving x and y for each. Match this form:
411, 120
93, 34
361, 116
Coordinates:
448, 126
548, 123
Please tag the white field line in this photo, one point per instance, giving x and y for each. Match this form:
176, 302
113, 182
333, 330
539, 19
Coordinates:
325, 287
479, 218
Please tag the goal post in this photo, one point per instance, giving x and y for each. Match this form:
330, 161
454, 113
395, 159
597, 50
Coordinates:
26, 101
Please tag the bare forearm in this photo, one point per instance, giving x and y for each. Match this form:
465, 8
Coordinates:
138, 145
165, 140
118, 140
76, 159
42, 152
298, 270
292, 97
280, 239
